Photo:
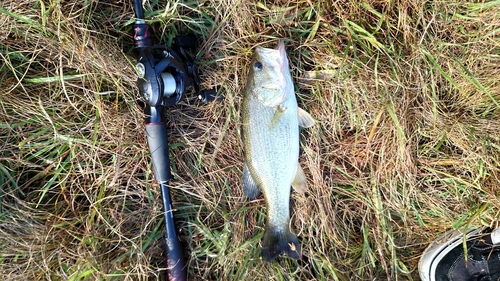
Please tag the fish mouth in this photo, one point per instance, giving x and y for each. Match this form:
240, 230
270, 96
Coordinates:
266, 51
276, 57
281, 46
271, 56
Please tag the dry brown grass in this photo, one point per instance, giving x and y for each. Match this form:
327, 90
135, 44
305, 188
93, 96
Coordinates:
407, 144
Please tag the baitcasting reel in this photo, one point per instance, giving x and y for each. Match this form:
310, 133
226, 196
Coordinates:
166, 73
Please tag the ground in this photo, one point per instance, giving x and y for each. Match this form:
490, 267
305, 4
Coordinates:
406, 145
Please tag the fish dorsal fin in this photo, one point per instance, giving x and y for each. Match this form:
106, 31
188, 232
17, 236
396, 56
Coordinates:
299, 182
305, 119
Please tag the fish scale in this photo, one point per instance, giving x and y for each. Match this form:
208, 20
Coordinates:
273, 151
271, 120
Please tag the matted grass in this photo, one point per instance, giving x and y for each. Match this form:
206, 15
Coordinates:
407, 144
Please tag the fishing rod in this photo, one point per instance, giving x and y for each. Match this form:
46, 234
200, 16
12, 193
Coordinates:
165, 74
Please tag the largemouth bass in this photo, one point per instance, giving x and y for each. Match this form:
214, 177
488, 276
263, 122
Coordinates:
271, 120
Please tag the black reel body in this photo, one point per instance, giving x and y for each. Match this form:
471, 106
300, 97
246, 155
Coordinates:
165, 74
163, 78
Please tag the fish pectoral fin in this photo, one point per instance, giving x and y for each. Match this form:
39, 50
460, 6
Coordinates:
299, 183
276, 117
305, 119
281, 108
250, 187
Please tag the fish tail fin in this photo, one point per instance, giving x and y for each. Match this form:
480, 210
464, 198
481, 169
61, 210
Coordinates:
280, 240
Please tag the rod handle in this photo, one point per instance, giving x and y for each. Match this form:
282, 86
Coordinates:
158, 146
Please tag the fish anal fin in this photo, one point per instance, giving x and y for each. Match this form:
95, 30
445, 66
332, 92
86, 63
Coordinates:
299, 183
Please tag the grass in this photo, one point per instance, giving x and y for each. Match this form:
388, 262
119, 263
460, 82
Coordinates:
407, 144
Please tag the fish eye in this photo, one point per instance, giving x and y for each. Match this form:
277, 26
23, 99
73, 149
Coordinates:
257, 65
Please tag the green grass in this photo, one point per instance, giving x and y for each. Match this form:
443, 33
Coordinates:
406, 146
